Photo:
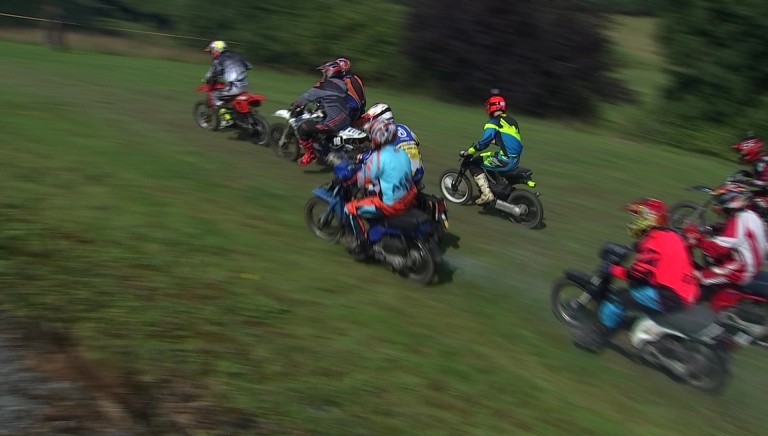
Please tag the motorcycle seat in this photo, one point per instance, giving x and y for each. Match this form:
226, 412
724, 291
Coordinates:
688, 321
408, 221
758, 286
518, 173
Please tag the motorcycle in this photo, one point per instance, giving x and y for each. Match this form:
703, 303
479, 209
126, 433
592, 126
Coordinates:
243, 108
519, 205
333, 148
687, 211
691, 344
407, 243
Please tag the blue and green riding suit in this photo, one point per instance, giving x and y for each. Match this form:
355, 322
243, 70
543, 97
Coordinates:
504, 132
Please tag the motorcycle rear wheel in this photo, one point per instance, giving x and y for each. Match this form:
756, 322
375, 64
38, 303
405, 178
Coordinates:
706, 367
258, 132
424, 270
572, 305
205, 116
463, 192
289, 150
535, 214
322, 222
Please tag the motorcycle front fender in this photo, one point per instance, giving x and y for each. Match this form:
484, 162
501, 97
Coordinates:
581, 278
282, 113
334, 203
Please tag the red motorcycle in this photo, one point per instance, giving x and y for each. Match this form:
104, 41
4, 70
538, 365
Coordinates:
240, 112
745, 308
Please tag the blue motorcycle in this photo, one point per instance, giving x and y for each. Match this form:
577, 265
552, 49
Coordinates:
407, 243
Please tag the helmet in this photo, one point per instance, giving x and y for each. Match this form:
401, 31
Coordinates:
345, 64
381, 132
216, 48
495, 103
731, 197
379, 111
330, 69
750, 149
648, 213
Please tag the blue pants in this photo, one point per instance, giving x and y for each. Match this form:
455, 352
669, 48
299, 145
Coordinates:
611, 311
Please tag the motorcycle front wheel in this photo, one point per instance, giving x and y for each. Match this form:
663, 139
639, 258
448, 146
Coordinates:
288, 149
423, 268
534, 215
572, 305
463, 192
205, 116
685, 212
322, 221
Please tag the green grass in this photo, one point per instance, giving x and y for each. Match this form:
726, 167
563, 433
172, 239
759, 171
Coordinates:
181, 256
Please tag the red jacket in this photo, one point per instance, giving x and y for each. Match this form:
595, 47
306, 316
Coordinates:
663, 261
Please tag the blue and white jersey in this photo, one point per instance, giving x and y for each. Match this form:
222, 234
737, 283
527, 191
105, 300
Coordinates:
409, 142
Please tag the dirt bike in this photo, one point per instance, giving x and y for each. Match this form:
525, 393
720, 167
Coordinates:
690, 344
687, 211
407, 243
520, 206
332, 148
243, 108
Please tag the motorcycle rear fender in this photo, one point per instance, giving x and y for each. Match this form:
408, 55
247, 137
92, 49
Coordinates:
244, 102
730, 297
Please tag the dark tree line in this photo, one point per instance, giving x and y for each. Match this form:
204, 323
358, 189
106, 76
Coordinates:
549, 57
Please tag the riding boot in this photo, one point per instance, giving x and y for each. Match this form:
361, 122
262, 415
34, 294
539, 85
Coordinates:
486, 196
309, 152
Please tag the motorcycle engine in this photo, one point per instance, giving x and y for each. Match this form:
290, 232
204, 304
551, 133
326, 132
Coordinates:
394, 250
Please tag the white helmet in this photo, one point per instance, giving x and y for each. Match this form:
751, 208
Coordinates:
379, 111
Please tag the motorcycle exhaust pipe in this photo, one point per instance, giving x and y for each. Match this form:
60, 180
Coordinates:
512, 209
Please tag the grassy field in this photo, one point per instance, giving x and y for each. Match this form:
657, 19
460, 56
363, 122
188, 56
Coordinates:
180, 257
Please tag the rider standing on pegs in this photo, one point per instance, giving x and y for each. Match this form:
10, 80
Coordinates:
504, 132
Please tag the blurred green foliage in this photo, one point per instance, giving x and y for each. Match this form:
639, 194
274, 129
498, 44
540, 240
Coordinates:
715, 53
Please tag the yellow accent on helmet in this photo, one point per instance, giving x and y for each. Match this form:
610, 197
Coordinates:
216, 47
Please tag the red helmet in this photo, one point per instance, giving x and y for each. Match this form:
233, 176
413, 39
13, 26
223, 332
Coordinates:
731, 197
495, 103
750, 149
648, 213
345, 64
330, 69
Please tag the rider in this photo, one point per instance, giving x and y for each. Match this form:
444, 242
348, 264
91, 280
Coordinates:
406, 139
389, 170
229, 68
330, 94
355, 89
752, 152
504, 132
661, 277
739, 247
